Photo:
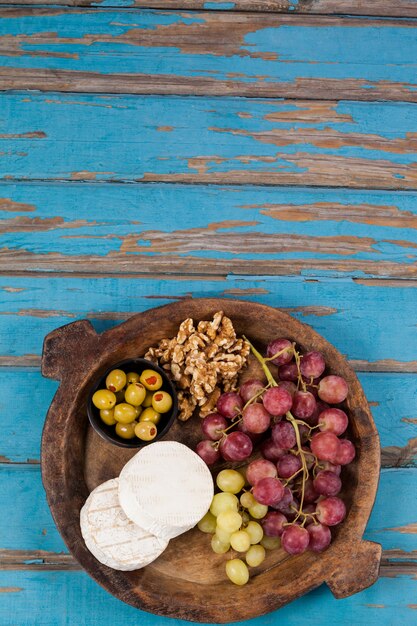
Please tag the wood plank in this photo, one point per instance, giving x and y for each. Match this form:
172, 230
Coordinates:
392, 398
330, 306
401, 8
29, 525
117, 229
208, 53
81, 600
208, 140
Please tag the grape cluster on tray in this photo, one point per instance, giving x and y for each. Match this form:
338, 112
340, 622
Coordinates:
288, 494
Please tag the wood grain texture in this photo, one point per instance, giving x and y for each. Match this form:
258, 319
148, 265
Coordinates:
222, 141
117, 230
71, 467
208, 53
401, 8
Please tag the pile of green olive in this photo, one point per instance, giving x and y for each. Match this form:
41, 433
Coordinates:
133, 403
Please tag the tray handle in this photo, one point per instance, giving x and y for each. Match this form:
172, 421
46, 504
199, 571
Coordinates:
361, 569
68, 348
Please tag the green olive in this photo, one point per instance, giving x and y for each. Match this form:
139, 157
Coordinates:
151, 380
146, 431
124, 413
120, 396
135, 394
132, 377
148, 399
126, 431
150, 415
116, 380
138, 410
161, 401
104, 399
107, 416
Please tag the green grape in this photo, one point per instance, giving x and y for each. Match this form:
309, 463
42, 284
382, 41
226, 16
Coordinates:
124, 413
161, 402
107, 416
229, 521
135, 394
230, 481
116, 380
258, 511
255, 555
104, 399
270, 543
247, 500
207, 524
240, 541
245, 517
255, 532
223, 535
217, 546
223, 502
237, 571
132, 377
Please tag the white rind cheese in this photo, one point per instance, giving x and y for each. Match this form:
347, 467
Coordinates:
166, 488
111, 537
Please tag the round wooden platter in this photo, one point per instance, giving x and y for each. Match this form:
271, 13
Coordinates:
188, 581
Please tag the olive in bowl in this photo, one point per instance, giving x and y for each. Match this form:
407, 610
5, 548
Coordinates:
132, 404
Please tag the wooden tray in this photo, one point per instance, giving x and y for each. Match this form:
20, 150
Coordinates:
188, 581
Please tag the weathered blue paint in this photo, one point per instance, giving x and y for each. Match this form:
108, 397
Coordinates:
393, 400
219, 6
275, 50
329, 305
86, 136
73, 597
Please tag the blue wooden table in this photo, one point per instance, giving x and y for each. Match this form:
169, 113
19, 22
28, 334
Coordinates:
160, 150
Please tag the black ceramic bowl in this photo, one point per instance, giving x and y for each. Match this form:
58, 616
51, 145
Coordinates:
108, 432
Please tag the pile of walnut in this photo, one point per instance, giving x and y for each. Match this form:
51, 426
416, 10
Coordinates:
204, 362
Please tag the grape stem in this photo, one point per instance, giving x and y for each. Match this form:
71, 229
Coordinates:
302, 455
300, 381
271, 380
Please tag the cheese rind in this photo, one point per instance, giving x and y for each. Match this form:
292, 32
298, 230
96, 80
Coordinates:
166, 488
111, 537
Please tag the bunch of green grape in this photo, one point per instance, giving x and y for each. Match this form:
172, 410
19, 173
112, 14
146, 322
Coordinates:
232, 520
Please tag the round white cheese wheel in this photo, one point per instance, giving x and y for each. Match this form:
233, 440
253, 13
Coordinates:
166, 488
111, 537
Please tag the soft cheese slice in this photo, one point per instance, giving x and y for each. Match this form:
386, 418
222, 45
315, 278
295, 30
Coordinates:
113, 538
166, 488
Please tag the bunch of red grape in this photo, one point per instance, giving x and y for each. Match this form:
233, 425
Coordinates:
299, 436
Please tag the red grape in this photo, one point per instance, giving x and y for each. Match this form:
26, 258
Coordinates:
289, 386
236, 446
212, 426
309, 456
333, 389
273, 524
230, 404
283, 434
250, 388
333, 421
256, 418
309, 508
320, 537
304, 404
304, 433
277, 400
268, 491
314, 418
325, 446
346, 452
312, 365
276, 346
255, 438
270, 450
208, 452
326, 465
331, 511
261, 468
288, 465
295, 539
288, 372
285, 502
327, 484
310, 494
